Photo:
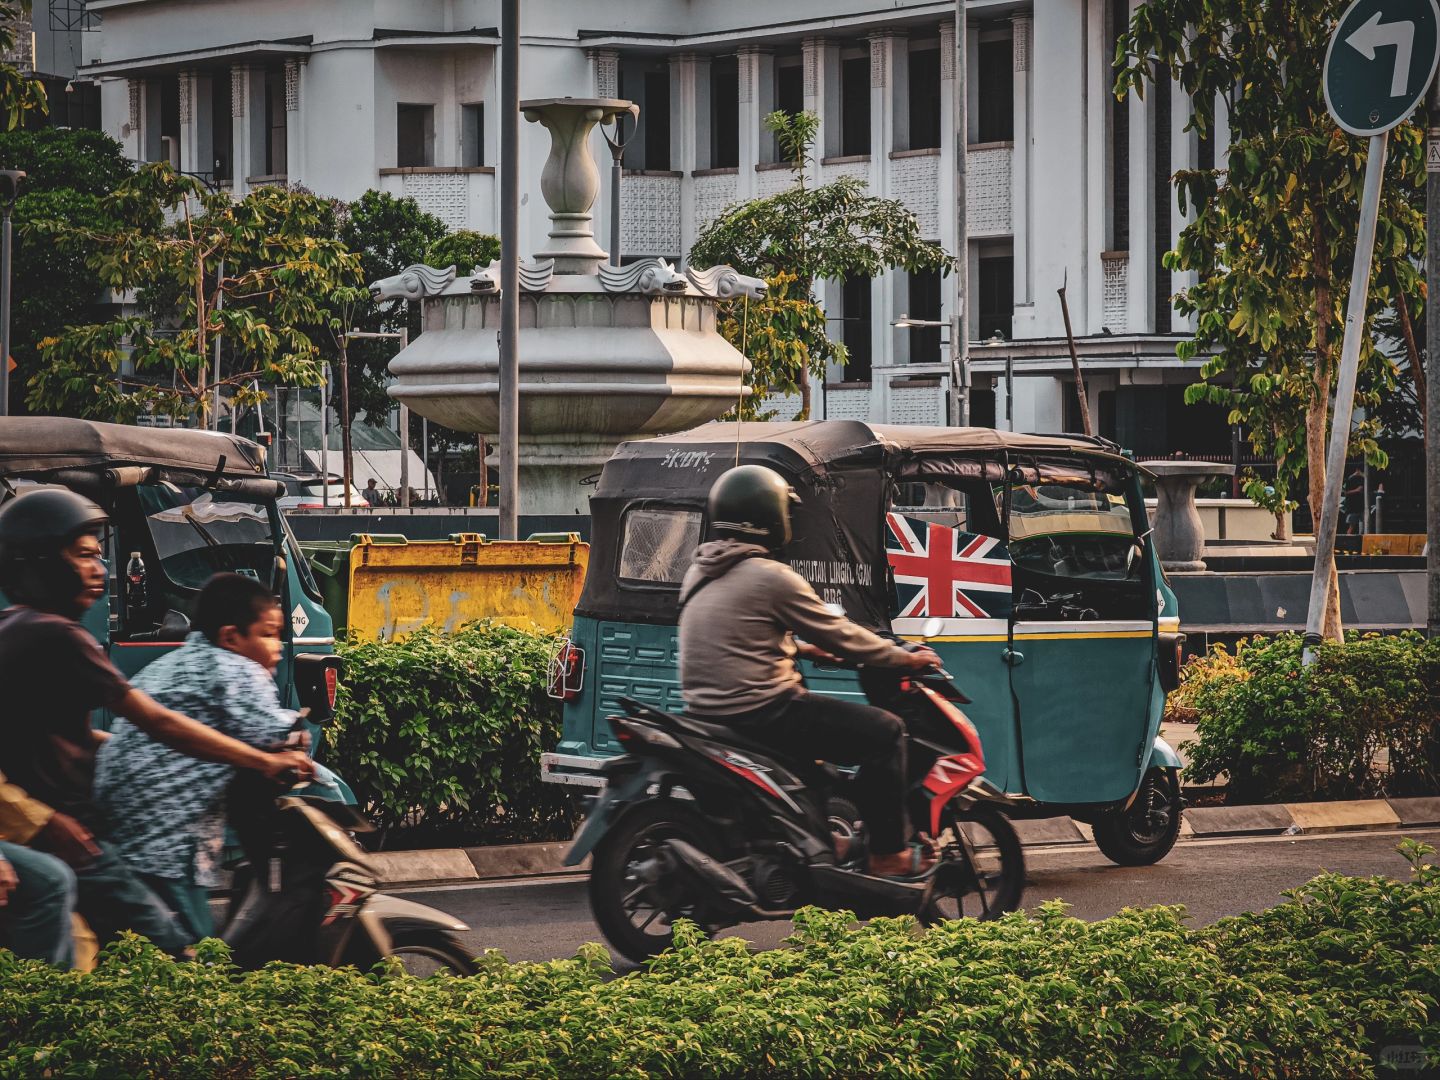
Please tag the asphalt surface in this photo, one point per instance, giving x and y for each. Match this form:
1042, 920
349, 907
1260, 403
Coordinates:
548, 918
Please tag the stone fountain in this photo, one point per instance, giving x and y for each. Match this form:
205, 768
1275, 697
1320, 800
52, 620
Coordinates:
606, 353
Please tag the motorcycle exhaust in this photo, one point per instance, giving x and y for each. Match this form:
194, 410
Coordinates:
731, 890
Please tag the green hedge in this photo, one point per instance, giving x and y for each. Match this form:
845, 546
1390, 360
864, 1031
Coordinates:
442, 734
1281, 731
1319, 986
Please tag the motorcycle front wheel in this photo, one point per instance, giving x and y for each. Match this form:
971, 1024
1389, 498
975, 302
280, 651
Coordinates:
422, 953
982, 869
636, 894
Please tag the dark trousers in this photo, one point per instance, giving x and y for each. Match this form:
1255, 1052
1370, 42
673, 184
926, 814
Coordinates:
113, 898
35, 923
847, 733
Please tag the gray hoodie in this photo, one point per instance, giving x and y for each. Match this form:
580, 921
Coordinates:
737, 633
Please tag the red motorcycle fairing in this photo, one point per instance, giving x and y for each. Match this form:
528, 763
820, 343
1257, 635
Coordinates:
952, 774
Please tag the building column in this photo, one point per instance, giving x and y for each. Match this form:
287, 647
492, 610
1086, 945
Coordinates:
817, 74
884, 338
1021, 42
243, 116
190, 158
134, 129
1141, 264
757, 97
1184, 156
685, 128
295, 121
1090, 314
946, 179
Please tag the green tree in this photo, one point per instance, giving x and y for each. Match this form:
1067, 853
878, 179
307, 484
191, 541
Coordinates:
68, 172
258, 271
387, 233
1273, 233
464, 249
794, 239
19, 96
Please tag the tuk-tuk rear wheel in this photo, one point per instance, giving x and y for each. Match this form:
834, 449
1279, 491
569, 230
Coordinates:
1144, 832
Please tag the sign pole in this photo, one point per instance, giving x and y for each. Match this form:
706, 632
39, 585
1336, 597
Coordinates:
1345, 394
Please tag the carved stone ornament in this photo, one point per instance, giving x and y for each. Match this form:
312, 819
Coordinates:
726, 283
534, 277
413, 283
570, 180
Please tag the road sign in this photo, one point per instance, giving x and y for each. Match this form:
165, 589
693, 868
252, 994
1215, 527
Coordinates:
1381, 59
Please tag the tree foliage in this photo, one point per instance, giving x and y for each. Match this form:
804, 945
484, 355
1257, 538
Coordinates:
259, 270
1273, 234
20, 97
68, 172
464, 249
795, 238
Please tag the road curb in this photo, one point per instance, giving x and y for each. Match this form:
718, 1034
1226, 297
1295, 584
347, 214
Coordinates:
445, 866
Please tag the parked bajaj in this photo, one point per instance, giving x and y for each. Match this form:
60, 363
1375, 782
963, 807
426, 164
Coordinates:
183, 505
1033, 553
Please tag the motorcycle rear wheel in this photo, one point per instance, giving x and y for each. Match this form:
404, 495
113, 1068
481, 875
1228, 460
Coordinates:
986, 878
423, 953
634, 896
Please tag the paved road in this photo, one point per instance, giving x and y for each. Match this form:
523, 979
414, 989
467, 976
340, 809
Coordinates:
542, 919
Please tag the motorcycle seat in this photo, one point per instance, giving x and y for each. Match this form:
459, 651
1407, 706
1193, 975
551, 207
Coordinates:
702, 729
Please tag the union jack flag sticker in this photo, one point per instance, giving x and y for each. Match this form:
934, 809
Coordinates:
944, 573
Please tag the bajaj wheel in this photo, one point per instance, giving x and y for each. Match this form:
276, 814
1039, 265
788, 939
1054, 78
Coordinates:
1145, 832
636, 893
981, 874
423, 953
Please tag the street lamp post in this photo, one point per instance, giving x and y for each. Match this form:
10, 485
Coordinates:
10, 180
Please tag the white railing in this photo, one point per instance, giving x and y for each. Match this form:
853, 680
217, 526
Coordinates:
462, 198
847, 403
989, 186
650, 214
713, 193
915, 181
899, 400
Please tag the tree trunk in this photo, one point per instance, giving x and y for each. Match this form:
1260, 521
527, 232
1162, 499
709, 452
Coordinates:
1412, 354
804, 413
1318, 412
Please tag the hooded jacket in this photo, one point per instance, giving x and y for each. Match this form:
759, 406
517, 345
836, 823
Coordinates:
741, 611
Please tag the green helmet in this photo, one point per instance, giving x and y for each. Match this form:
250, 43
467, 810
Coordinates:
35, 529
752, 503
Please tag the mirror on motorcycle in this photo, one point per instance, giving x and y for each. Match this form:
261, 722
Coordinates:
932, 628
1133, 558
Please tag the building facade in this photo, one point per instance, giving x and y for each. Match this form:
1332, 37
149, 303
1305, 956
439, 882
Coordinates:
1066, 187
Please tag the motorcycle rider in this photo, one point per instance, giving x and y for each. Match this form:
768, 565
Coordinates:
741, 609
55, 675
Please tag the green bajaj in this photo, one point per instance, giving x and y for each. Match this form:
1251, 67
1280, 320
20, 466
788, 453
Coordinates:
1025, 560
183, 505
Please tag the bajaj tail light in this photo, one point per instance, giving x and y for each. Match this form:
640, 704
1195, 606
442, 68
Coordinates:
332, 684
567, 672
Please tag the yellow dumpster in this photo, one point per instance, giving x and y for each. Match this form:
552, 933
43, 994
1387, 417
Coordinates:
398, 586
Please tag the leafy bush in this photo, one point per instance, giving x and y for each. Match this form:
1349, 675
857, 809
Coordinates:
443, 733
1283, 731
1200, 675
1318, 986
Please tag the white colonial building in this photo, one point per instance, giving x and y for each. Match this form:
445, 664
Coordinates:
1066, 186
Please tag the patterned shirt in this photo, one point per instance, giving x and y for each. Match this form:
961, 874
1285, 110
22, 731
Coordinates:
166, 811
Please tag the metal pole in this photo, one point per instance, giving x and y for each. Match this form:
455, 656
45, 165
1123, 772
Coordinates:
959, 317
219, 306
509, 523
425, 453
1009, 393
404, 436
325, 437
1345, 396
617, 171
5, 312
1432, 383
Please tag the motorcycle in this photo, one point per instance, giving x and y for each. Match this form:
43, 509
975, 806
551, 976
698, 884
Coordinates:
698, 822
306, 893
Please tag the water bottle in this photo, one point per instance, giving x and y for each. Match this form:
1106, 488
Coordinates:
136, 601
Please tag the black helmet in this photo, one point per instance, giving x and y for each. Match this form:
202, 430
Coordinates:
35, 529
752, 503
